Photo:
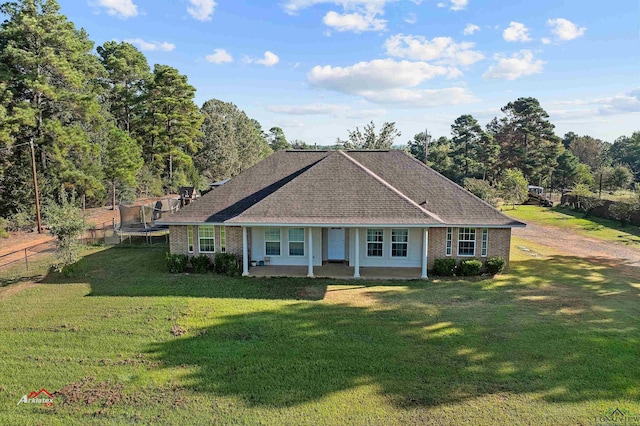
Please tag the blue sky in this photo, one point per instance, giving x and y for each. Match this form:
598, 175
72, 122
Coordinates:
317, 68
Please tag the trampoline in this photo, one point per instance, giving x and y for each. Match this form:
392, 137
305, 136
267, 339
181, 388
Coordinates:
140, 220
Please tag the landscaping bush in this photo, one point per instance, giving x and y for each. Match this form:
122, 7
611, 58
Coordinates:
201, 264
469, 267
176, 262
495, 265
3, 228
444, 267
226, 263
66, 223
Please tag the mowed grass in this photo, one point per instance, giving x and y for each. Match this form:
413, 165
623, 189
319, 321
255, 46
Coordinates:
555, 341
603, 229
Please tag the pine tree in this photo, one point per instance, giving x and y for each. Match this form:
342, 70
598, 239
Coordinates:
51, 75
122, 162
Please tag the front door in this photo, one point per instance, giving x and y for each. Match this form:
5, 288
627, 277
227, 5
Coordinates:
335, 244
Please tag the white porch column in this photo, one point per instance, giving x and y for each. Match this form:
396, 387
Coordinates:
245, 252
425, 248
356, 261
310, 268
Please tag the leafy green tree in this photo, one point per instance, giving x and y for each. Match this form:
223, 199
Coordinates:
513, 186
122, 162
127, 74
277, 140
474, 151
65, 221
299, 144
231, 142
368, 139
481, 189
173, 123
591, 151
439, 155
565, 173
51, 74
626, 150
619, 176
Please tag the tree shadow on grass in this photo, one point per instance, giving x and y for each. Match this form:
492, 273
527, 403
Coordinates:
568, 338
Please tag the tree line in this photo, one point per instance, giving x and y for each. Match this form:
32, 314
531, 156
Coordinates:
104, 124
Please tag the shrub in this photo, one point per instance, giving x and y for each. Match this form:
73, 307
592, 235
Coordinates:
21, 221
495, 265
469, 267
3, 228
624, 209
176, 262
226, 263
66, 223
201, 264
444, 267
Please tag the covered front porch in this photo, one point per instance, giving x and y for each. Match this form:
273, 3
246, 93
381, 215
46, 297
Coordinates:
334, 270
386, 252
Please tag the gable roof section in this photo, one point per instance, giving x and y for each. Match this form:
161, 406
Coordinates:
454, 204
336, 190
335, 187
246, 189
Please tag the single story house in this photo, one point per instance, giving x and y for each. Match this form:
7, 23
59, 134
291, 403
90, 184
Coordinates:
362, 208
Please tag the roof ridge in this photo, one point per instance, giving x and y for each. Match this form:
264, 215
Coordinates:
390, 187
442, 177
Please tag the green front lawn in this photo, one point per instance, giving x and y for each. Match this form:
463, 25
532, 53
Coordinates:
554, 342
604, 229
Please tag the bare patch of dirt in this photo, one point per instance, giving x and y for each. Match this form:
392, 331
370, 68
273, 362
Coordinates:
88, 391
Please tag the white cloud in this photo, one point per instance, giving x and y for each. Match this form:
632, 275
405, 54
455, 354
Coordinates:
565, 30
519, 64
545, 40
333, 110
202, 10
470, 29
219, 56
459, 4
390, 82
516, 32
151, 45
412, 18
356, 22
441, 49
121, 8
269, 59
294, 6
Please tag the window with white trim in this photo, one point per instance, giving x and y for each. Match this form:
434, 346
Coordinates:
485, 242
190, 239
206, 239
375, 237
223, 239
449, 241
272, 241
296, 241
466, 242
399, 242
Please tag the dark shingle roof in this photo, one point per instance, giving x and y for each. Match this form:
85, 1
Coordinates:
337, 187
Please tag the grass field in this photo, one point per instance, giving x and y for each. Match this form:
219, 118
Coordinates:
604, 229
553, 342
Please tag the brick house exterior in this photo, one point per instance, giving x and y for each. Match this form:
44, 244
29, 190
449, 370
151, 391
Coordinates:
362, 208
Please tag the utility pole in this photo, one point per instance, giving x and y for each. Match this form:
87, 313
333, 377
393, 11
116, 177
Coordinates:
35, 185
427, 139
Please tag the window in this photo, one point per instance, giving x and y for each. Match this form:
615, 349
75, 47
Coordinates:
190, 239
374, 242
449, 238
466, 242
206, 239
272, 241
399, 242
485, 242
223, 239
296, 242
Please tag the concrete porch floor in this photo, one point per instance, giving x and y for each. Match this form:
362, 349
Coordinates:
335, 270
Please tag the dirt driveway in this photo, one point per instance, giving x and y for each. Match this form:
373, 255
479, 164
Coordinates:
578, 245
